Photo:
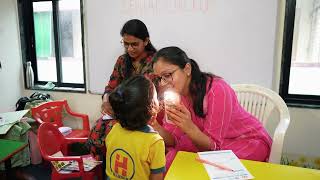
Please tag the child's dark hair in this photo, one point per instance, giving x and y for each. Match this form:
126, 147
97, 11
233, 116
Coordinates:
138, 29
132, 103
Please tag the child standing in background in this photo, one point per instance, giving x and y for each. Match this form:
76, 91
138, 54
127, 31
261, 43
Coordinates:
134, 149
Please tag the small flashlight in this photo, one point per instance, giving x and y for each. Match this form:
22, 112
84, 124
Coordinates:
171, 98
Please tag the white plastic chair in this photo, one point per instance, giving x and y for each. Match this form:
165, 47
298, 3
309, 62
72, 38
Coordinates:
260, 102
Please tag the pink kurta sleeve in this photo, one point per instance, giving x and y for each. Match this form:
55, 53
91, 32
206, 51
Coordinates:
219, 111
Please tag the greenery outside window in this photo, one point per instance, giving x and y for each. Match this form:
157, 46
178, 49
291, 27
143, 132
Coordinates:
52, 39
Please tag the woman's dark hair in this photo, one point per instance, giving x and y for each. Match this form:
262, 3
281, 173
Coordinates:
138, 29
197, 88
132, 103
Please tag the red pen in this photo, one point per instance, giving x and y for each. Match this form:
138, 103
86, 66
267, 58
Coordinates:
214, 164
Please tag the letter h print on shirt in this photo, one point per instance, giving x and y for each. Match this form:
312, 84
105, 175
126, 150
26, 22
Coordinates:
121, 163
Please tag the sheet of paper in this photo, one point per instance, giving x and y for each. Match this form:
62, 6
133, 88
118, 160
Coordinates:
88, 164
107, 117
59, 164
9, 119
65, 130
227, 159
69, 166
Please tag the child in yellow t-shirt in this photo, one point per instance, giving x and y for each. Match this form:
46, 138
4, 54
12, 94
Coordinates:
134, 149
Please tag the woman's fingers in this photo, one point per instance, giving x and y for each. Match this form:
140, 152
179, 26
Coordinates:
174, 118
179, 110
161, 105
106, 109
177, 117
180, 116
102, 109
183, 109
174, 111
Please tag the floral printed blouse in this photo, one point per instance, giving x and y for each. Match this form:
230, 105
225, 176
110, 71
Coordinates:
118, 74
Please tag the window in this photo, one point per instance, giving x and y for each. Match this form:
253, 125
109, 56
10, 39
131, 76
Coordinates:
300, 78
51, 36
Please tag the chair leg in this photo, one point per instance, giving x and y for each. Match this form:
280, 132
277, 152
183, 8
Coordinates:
87, 176
99, 173
54, 176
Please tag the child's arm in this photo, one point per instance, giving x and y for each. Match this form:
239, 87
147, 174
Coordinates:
158, 176
167, 137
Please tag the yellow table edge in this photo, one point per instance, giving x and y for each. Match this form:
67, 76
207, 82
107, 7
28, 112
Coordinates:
185, 167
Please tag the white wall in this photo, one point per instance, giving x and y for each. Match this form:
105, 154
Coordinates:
303, 133
11, 79
225, 32
78, 102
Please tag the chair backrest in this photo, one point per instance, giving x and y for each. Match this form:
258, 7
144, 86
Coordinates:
50, 139
261, 102
49, 112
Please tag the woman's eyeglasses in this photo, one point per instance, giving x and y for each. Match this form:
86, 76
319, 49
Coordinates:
133, 45
165, 78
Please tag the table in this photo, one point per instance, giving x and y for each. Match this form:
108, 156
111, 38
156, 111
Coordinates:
184, 167
9, 148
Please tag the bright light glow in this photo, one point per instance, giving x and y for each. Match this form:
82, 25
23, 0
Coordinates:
171, 97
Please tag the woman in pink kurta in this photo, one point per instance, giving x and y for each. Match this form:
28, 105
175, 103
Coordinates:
209, 116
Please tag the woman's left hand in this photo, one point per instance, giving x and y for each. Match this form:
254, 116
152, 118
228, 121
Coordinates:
181, 117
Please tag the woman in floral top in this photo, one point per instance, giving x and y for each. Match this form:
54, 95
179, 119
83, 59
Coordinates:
136, 60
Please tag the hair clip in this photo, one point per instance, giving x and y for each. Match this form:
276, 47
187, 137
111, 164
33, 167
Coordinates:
120, 93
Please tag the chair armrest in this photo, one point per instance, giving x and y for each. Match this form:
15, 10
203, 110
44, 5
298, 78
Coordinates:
38, 120
76, 114
278, 139
84, 117
68, 158
74, 140
282, 126
65, 158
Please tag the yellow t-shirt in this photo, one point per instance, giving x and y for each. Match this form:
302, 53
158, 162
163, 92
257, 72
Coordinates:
134, 154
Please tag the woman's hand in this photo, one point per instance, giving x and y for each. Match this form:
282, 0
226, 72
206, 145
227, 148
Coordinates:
181, 117
105, 106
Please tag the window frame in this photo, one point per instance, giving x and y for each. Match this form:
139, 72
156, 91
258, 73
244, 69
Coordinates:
296, 100
27, 32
